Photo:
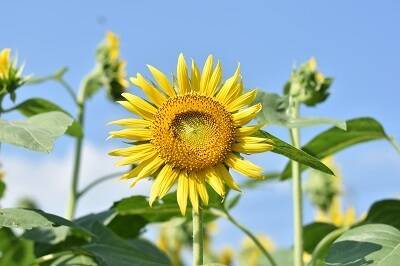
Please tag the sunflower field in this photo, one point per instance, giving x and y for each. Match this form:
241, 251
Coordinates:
206, 168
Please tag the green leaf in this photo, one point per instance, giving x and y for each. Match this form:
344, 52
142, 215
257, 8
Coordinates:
74, 260
333, 140
314, 233
36, 106
109, 249
373, 244
28, 219
321, 250
275, 112
384, 212
292, 153
15, 251
37, 133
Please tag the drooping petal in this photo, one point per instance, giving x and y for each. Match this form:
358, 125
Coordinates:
162, 81
139, 102
132, 133
246, 115
163, 183
206, 74
202, 191
215, 182
194, 199
131, 122
182, 76
244, 167
151, 167
223, 172
152, 93
241, 101
215, 80
182, 192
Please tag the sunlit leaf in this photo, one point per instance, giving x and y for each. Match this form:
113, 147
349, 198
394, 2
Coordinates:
292, 153
333, 140
373, 244
384, 212
36, 106
37, 133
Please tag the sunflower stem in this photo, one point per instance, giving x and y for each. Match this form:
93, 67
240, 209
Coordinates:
73, 193
250, 235
297, 191
198, 237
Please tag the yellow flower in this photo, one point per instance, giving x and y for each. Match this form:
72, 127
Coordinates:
5, 63
190, 132
112, 41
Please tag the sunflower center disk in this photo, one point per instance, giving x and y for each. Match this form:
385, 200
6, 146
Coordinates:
193, 132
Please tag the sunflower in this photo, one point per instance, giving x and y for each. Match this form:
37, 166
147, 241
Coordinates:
190, 132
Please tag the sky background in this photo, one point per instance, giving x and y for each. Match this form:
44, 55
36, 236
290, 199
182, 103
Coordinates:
356, 42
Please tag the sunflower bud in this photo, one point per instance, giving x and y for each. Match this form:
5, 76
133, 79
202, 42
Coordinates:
112, 67
308, 85
10, 75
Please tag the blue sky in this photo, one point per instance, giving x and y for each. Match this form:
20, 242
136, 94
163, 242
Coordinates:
356, 42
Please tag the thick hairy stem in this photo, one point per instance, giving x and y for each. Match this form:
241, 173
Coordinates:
198, 237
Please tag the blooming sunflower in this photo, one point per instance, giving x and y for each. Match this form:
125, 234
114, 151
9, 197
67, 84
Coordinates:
190, 132
10, 74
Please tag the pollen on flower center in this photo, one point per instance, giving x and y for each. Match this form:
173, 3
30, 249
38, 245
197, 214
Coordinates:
193, 132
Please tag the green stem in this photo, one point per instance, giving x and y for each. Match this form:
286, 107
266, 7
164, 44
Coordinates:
297, 193
198, 237
73, 194
97, 182
68, 88
250, 235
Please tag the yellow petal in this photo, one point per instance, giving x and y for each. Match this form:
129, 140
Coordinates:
247, 131
242, 101
182, 76
194, 199
206, 74
202, 191
223, 172
132, 149
143, 113
162, 81
163, 183
182, 192
249, 139
151, 167
152, 93
195, 77
246, 115
229, 88
215, 80
215, 182
131, 122
136, 157
244, 167
139, 103
133, 134
135, 171
246, 147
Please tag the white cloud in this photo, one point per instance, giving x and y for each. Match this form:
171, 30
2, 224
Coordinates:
47, 180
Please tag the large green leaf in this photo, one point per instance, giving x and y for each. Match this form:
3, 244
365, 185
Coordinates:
2, 188
73, 260
15, 251
292, 153
109, 249
384, 212
314, 233
334, 139
28, 219
36, 106
322, 248
37, 133
373, 244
